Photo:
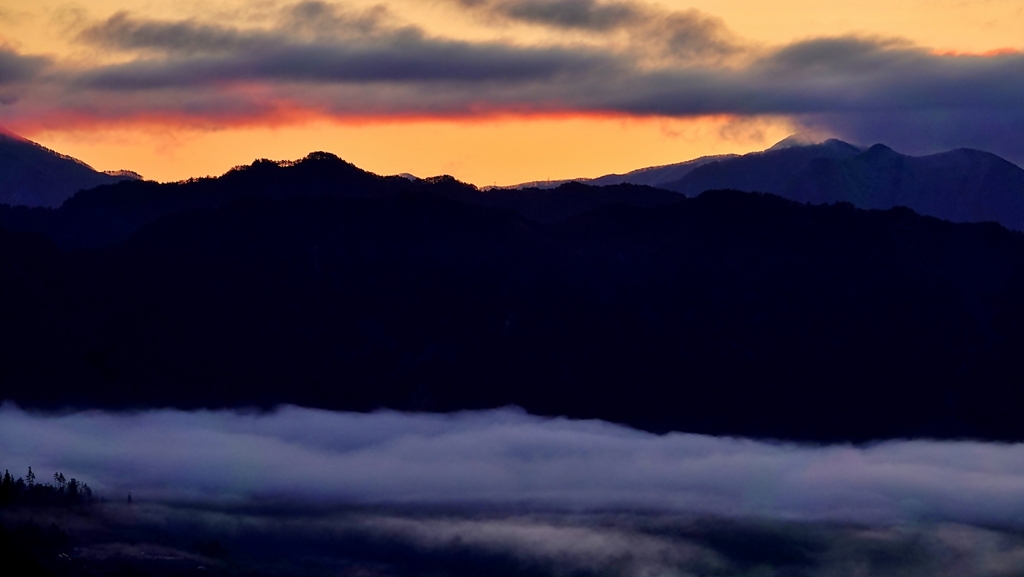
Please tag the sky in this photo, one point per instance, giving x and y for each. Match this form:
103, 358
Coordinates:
503, 91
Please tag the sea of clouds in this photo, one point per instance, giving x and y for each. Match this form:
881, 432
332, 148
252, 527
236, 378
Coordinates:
509, 458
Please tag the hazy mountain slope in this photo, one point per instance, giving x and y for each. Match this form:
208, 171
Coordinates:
656, 175
31, 175
961, 185
774, 170
730, 313
651, 176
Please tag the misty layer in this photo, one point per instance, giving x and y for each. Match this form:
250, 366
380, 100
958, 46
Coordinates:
506, 457
160, 540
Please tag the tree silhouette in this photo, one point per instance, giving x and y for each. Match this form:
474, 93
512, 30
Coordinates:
26, 492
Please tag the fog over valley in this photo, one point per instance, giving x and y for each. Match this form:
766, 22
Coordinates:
313, 492
507, 457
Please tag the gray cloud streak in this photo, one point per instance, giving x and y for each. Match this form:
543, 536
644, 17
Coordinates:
317, 57
675, 35
408, 60
316, 43
582, 14
506, 457
308, 20
15, 67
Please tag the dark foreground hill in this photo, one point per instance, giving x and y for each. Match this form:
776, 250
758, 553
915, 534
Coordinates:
729, 313
31, 175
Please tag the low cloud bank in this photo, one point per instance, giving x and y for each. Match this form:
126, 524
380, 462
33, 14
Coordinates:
506, 457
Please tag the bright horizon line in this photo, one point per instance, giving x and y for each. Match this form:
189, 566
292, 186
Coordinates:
805, 137
11, 134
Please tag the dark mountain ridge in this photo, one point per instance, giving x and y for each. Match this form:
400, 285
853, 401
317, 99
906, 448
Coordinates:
110, 214
32, 175
318, 284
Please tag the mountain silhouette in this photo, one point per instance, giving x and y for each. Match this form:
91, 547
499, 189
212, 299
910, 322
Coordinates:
961, 185
110, 214
319, 284
651, 176
31, 175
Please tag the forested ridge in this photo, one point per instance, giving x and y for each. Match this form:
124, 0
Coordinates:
317, 284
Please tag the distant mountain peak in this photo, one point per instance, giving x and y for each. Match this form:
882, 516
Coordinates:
880, 148
793, 141
803, 140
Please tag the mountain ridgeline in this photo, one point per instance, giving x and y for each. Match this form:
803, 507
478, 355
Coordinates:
110, 214
961, 185
318, 284
31, 175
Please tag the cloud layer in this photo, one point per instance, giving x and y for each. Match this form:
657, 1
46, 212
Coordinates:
509, 458
603, 57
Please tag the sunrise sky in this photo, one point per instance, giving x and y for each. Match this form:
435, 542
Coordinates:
503, 91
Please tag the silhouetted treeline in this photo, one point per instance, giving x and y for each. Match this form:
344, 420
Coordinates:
730, 313
29, 491
109, 214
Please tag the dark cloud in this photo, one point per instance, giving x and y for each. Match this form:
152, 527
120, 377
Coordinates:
316, 42
678, 35
582, 14
504, 458
409, 58
304, 21
930, 130
124, 32
320, 58
329, 20
15, 67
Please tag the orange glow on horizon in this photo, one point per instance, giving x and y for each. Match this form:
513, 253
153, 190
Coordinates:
484, 151
286, 115
485, 145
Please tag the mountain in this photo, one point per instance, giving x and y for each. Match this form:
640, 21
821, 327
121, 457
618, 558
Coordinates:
651, 176
961, 185
318, 284
110, 214
31, 175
